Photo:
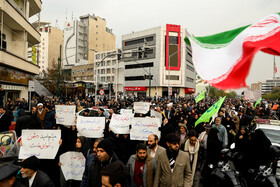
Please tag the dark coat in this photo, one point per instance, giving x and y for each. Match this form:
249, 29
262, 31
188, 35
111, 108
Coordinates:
49, 120
41, 179
94, 174
89, 162
5, 122
27, 122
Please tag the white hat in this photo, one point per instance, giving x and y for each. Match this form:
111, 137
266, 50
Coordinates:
40, 104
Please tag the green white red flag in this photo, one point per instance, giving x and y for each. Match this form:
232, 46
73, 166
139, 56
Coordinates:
224, 59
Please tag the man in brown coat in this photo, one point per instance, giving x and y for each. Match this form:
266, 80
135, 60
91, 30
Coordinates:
154, 149
173, 166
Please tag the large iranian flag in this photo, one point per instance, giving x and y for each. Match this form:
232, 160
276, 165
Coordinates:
224, 59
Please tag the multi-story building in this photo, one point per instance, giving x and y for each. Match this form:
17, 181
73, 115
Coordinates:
109, 71
83, 72
268, 85
161, 52
16, 35
84, 37
48, 50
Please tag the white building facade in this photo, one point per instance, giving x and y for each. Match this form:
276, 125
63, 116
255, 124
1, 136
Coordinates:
163, 53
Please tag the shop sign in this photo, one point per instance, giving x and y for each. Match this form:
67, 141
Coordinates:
189, 90
135, 88
12, 87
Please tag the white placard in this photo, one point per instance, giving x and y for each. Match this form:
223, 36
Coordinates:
126, 111
141, 128
156, 114
43, 144
65, 114
141, 107
91, 127
120, 123
72, 165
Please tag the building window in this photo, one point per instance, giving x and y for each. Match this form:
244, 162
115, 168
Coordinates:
108, 63
133, 42
96, 26
134, 78
149, 39
102, 79
190, 79
96, 38
103, 71
96, 32
108, 79
114, 62
139, 65
172, 77
190, 68
98, 56
113, 78
108, 71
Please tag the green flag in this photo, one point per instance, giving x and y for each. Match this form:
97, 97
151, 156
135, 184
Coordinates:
200, 97
210, 112
258, 101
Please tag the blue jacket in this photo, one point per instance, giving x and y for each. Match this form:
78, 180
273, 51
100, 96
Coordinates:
49, 120
89, 162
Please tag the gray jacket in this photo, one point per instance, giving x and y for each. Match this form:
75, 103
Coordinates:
130, 166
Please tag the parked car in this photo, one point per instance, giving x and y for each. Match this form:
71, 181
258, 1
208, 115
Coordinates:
93, 112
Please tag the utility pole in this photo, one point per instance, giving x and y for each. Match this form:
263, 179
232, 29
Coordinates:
59, 74
150, 77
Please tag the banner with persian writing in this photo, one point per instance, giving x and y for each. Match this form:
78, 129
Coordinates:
91, 127
120, 123
65, 114
43, 144
72, 165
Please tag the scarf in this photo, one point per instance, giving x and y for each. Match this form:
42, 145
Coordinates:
192, 153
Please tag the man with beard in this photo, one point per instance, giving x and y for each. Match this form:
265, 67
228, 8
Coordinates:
41, 112
140, 168
173, 166
35, 177
90, 159
153, 148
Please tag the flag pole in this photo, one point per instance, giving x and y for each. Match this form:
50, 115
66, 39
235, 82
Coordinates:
274, 71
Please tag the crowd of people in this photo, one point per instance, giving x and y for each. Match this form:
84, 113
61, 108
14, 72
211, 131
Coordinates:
177, 158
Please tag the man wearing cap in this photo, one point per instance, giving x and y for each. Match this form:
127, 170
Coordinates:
182, 133
8, 174
35, 177
41, 112
105, 156
173, 166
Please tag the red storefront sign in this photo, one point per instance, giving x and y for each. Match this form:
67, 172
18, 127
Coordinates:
189, 90
135, 88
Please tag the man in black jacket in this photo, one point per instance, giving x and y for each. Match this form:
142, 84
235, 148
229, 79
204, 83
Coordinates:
32, 175
105, 156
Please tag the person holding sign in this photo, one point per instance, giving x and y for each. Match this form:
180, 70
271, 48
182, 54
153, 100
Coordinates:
49, 120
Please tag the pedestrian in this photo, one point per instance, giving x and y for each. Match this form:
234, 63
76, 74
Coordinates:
223, 136
173, 168
89, 161
140, 168
105, 156
41, 112
8, 173
192, 147
182, 133
154, 149
49, 120
34, 177
113, 175
5, 120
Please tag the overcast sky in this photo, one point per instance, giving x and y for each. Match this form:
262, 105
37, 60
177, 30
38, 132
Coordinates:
199, 17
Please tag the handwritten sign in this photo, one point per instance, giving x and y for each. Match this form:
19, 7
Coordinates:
120, 123
65, 114
141, 107
43, 144
126, 111
141, 128
91, 127
156, 114
72, 165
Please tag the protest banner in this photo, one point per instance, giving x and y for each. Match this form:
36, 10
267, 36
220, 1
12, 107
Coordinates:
141, 128
91, 127
120, 123
126, 111
252, 95
200, 97
156, 114
72, 165
141, 107
65, 114
43, 144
